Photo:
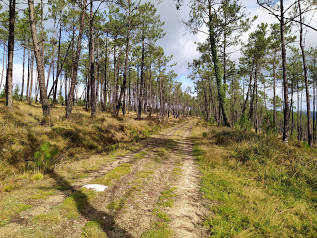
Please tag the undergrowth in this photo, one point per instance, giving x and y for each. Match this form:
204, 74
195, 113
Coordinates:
26, 144
258, 186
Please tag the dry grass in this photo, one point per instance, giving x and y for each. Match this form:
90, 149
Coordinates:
76, 138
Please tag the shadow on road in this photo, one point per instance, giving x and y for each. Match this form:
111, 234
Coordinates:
105, 221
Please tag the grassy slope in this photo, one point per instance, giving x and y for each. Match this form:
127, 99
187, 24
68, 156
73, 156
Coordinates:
256, 186
75, 139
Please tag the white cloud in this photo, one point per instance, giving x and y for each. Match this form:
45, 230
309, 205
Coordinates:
179, 41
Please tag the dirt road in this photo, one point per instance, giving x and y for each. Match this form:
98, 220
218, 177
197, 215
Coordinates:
153, 192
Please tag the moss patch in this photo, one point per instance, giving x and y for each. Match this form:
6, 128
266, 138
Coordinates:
92, 229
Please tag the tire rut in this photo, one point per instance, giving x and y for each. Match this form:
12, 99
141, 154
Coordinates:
188, 213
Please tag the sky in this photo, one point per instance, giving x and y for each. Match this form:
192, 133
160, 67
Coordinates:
180, 42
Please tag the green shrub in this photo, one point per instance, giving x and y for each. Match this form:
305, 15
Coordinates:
2, 94
16, 95
38, 176
268, 125
155, 129
134, 135
244, 123
81, 102
60, 99
45, 156
205, 134
9, 187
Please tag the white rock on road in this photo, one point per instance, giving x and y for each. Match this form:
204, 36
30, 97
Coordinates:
96, 187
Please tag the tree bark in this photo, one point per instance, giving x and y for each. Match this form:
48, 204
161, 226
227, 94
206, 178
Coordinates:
251, 112
221, 92
274, 91
249, 89
285, 80
314, 112
142, 78
115, 76
9, 78
309, 134
3, 60
58, 63
205, 103
23, 70
28, 80
39, 64
298, 125
92, 64
76, 61
31, 77
104, 105
126, 65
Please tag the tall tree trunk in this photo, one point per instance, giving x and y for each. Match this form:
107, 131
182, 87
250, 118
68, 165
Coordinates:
87, 93
58, 63
129, 106
115, 76
142, 78
309, 135
298, 125
76, 60
3, 61
253, 94
244, 107
9, 78
104, 105
151, 101
23, 71
39, 64
274, 90
36, 88
256, 123
31, 77
205, 103
61, 88
126, 64
215, 59
98, 76
65, 87
314, 112
301, 115
92, 64
50, 67
292, 105
285, 80
28, 80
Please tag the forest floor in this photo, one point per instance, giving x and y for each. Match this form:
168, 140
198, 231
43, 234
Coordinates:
188, 179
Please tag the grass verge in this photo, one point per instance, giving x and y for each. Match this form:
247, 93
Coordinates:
257, 186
